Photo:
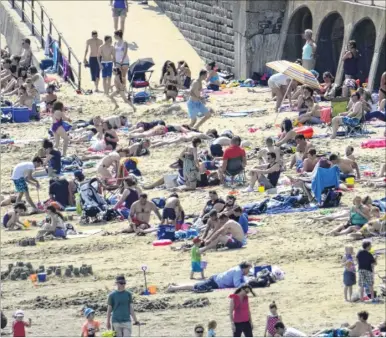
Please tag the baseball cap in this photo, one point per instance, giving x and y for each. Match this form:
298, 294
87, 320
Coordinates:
19, 313
196, 240
120, 279
88, 311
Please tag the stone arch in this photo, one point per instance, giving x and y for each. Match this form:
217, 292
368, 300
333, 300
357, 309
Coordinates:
381, 64
300, 20
329, 44
364, 33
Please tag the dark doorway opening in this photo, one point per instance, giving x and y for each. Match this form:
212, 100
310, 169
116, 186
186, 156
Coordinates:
381, 64
300, 21
364, 34
329, 44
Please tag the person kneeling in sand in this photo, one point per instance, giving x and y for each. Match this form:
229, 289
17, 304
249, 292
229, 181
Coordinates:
172, 210
231, 234
11, 218
110, 161
139, 218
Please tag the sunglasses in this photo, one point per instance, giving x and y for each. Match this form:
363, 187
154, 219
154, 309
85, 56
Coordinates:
121, 283
199, 331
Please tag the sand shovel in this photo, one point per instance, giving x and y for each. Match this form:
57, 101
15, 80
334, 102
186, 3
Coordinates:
139, 324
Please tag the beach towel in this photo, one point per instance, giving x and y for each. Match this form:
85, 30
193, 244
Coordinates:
325, 178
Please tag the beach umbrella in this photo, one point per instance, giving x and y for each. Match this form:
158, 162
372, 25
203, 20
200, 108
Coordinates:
295, 72
140, 67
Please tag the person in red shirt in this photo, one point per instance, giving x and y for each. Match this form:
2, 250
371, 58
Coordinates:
19, 325
240, 313
233, 151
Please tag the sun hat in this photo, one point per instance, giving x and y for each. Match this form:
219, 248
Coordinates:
19, 313
196, 240
88, 311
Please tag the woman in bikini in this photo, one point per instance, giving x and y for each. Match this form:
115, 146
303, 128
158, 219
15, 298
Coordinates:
119, 89
191, 165
184, 73
213, 79
59, 127
121, 57
171, 81
161, 130
110, 136
50, 98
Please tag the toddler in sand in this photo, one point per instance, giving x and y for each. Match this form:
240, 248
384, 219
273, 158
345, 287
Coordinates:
19, 325
272, 319
196, 258
349, 275
211, 328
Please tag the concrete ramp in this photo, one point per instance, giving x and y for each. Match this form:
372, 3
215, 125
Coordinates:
148, 30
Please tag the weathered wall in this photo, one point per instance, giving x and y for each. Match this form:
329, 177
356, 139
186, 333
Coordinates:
207, 25
15, 31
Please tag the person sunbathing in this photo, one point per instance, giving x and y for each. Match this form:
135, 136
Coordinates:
50, 98
359, 216
380, 180
374, 227
140, 148
110, 136
140, 127
287, 133
82, 136
187, 137
112, 161
24, 100
160, 130
270, 148
361, 328
346, 167
312, 115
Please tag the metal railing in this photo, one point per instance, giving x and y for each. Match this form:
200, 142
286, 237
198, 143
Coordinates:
34, 15
375, 3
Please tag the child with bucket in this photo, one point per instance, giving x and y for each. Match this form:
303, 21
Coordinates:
196, 258
19, 325
91, 326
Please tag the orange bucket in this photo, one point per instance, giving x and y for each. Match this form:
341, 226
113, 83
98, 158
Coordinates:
152, 289
33, 277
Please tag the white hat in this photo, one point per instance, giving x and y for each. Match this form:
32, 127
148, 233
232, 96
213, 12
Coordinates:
19, 313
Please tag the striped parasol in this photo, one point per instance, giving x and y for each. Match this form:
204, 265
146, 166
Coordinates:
295, 72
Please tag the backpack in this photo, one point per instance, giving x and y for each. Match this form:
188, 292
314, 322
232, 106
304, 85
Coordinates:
330, 198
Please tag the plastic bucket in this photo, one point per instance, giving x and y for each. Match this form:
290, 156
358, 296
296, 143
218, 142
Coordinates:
261, 188
42, 277
152, 289
204, 265
350, 181
33, 277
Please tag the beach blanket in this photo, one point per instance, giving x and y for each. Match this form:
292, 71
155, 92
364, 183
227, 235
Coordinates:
85, 233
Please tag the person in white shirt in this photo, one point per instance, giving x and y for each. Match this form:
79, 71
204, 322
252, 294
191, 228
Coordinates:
22, 175
283, 331
279, 83
37, 80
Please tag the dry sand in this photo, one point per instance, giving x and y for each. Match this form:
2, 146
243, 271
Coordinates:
311, 296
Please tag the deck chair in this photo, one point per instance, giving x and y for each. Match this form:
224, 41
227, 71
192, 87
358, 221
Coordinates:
338, 105
234, 172
324, 186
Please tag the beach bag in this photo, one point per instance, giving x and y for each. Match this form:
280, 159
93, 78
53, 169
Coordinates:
331, 199
91, 211
110, 215
141, 97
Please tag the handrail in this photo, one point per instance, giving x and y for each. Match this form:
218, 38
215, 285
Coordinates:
366, 3
43, 18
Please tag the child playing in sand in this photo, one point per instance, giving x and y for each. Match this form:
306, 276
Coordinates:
272, 319
91, 326
349, 275
19, 325
11, 218
196, 258
211, 328
119, 89
361, 328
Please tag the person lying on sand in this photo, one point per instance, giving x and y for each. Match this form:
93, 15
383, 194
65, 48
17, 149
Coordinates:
161, 130
140, 127
139, 218
231, 234
7, 200
139, 148
187, 137
233, 278
11, 219
373, 227
83, 136
380, 180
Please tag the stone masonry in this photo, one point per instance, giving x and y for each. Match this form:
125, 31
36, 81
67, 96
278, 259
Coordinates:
207, 25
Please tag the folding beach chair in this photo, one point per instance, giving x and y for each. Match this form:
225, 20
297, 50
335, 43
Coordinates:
338, 105
359, 129
235, 173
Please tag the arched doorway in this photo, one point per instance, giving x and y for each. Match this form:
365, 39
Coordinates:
381, 64
364, 34
300, 21
329, 44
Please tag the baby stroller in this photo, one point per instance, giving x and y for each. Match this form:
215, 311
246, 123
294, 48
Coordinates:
93, 204
139, 78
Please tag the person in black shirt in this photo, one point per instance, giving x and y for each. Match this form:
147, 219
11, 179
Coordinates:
53, 159
59, 191
366, 262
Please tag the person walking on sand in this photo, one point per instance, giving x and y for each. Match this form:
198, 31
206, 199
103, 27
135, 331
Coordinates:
196, 258
120, 89
120, 309
106, 59
121, 58
120, 9
93, 45
196, 103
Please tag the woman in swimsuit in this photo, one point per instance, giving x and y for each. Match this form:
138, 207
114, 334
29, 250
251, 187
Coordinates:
164, 70
213, 79
307, 92
110, 136
32, 91
130, 193
171, 81
188, 137
287, 133
50, 98
121, 57
161, 130
140, 127
120, 89
313, 112
184, 73
59, 128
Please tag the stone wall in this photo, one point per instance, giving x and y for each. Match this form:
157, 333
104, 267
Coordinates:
207, 25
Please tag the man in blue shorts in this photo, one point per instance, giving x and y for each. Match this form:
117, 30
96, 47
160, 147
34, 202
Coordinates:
196, 103
93, 45
106, 58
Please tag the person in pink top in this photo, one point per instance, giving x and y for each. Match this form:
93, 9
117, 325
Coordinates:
272, 319
240, 313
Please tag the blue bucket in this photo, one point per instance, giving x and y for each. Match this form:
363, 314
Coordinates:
262, 267
60, 233
42, 277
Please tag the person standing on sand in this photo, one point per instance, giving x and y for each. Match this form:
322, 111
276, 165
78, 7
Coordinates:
120, 9
93, 44
106, 59
196, 103
121, 58
309, 49
382, 90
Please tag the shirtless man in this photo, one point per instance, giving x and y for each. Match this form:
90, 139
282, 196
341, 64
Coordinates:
349, 151
361, 328
117, 122
93, 44
26, 54
231, 234
382, 89
106, 59
138, 148
110, 160
346, 167
196, 103
171, 210
310, 162
212, 225
140, 216
302, 148
271, 148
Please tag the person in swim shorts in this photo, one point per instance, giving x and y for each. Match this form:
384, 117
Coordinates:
171, 210
93, 44
106, 58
